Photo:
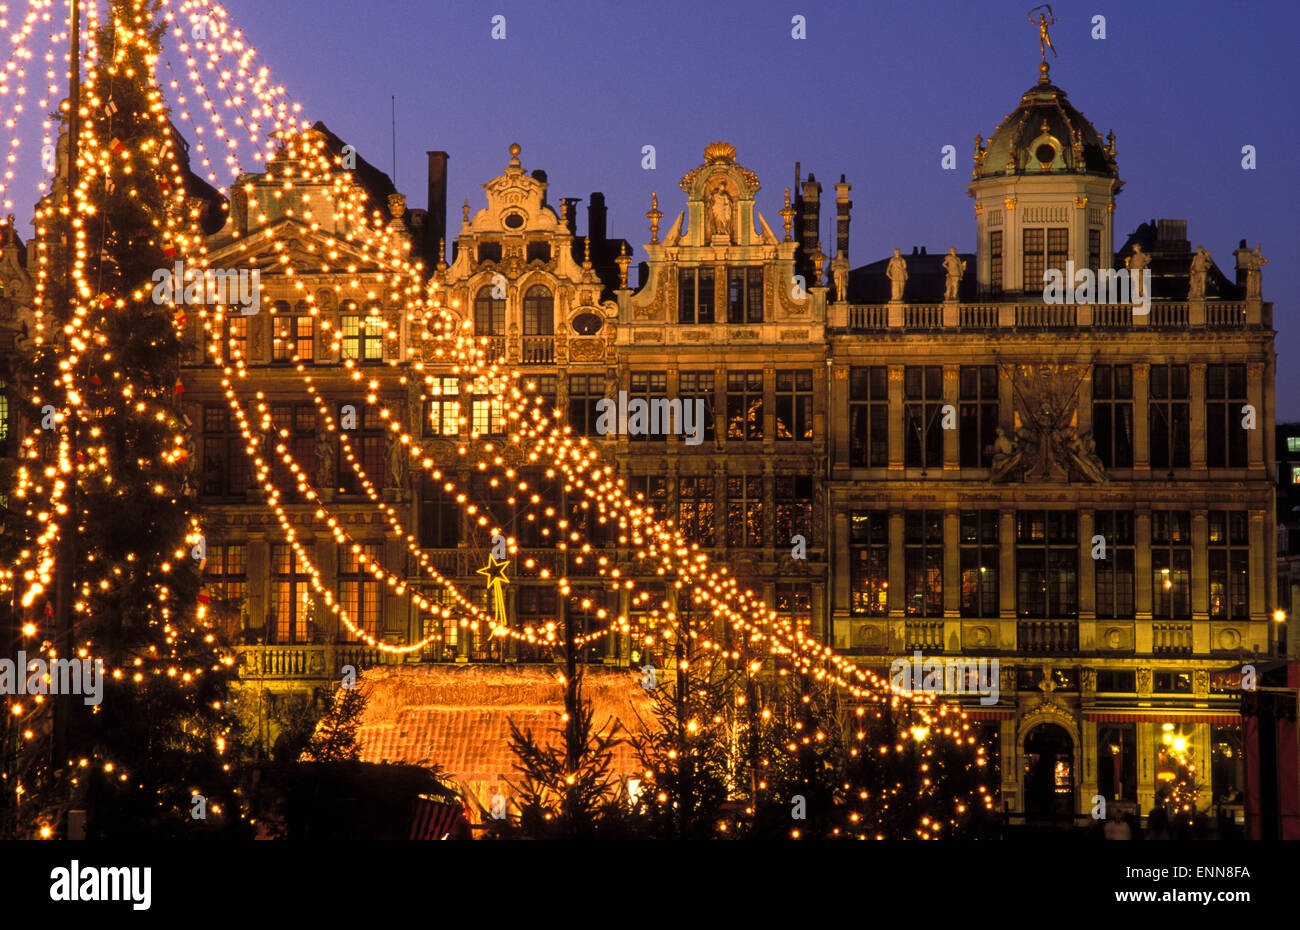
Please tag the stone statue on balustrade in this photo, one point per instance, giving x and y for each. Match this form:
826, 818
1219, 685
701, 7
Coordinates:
955, 268
1200, 272
896, 271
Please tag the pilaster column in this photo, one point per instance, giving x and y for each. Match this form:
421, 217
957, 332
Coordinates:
1254, 437
837, 426
951, 395
897, 594
895, 417
951, 567
840, 561
1197, 441
1007, 580
1142, 572
1200, 566
1259, 568
1141, 420
1087, 582
1146, 755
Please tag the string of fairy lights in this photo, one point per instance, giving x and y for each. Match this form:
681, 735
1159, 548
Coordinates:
298, 159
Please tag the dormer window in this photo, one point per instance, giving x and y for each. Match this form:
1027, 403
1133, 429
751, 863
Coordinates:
695, 295
489, 251
538, 252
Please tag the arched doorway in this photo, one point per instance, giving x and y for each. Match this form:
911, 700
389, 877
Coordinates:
1049, 773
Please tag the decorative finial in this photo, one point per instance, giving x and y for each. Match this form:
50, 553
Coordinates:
720, 153
464, 211
654, 216
623, 261
515, 149
787, 214
1110, 143
442, 254
586, 251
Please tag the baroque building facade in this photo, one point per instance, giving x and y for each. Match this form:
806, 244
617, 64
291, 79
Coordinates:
919, 455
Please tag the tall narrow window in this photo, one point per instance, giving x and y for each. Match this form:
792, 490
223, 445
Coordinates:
226, 577
698, 386
869, 563
1094, 249
794, 603
1114, 574
1170, 418
225, 468
487, 407
236, 325
979, 563
745, 295
585, 392
869, 417
995, 262
745, 511
922, 416
1225, 396
978, 422
1112, 414
1229, 552
292, 604
744, 405
489, 313
923, 563
695, 509
1047, 564
439, 516
360, 593
794, 405
650, 386
1033, 258
1171, 565
651, 491
294, 427
539, 312
367, 445
794, 509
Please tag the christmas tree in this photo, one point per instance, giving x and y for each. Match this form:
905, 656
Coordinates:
149, 754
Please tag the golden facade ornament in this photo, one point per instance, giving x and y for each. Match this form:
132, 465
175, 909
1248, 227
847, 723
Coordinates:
653, 215
1080, 202
1009, 203
979, 209
787, 215
623, 261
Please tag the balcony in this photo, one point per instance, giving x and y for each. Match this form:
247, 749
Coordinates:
925, 635
303, 662
1171, 639
1041, 317
1047, 637
538, 350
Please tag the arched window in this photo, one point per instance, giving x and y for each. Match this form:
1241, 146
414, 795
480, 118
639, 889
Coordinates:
539, 312
489, 313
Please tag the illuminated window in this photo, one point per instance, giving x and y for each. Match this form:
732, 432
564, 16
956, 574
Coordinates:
744, 510
979, 563
794, 508
1293, 443
489, 313
923, 563
695, 297
1047, 564
794, 420
293, 335
292, 604
869, 560
360, 593
745, 405
1229, 552
487, 411
367, 444
442, 407
1171, 565
695, 509
362, 338
226, 578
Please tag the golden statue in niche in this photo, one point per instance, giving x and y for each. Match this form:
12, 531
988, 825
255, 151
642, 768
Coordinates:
721, 211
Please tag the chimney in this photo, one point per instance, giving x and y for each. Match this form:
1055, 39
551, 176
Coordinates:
596, 218
436, 229
812, 193
842, 207
570, 213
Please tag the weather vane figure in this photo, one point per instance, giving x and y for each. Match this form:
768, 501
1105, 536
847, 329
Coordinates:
1044, 20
